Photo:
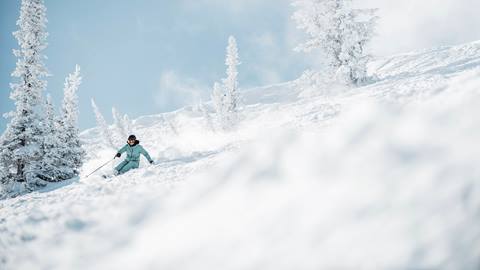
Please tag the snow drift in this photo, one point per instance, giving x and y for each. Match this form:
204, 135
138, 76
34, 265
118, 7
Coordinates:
386, 188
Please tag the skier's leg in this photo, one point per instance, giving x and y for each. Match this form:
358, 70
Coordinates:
131, 165
126, 168
120, 167
135, 164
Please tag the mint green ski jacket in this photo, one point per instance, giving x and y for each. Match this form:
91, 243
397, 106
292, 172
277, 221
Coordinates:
134, 152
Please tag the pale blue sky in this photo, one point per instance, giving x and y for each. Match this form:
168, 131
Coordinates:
151, 56
146, 57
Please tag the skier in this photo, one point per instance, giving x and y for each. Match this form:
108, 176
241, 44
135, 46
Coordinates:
133, 149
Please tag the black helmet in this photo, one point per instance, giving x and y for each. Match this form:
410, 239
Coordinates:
132, 138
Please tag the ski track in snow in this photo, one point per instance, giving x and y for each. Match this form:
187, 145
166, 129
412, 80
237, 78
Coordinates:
68, 225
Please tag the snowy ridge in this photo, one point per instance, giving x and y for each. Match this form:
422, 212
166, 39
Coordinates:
442, 60
383, 176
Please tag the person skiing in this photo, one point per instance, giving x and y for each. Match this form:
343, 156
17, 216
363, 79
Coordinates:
132, 161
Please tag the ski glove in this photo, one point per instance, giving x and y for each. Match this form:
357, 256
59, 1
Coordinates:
151, 161
118, 155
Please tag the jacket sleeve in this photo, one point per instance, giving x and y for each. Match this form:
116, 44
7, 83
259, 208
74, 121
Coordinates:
123, 149
145, 154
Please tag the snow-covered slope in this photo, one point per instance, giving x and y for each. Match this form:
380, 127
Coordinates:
383, 176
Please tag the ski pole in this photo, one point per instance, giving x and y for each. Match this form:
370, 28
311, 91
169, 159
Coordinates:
101, 167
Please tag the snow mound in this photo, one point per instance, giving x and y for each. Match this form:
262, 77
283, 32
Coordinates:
386, 188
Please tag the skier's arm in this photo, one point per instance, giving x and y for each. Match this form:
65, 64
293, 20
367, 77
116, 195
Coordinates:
121, 151
145, 154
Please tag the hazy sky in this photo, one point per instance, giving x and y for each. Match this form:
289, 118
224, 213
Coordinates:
151, 56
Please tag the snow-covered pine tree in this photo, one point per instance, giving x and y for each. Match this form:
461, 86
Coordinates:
4, 181
51, 163
20, 148
201, 107
72, 151
3, 176
231, 82
119, 124
103, 126
218, 99
220, 105
340, 31
4, 170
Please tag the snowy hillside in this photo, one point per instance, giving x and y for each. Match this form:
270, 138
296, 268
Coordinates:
383, 176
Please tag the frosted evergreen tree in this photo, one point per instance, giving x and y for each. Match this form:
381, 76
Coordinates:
72, 151
220, 105
51, 163
208, 118
20, 149
218, 99
103, 126
3, 176
231, 82
225, 96
4, 170
203, 110
119, 124
340, 31
4, 181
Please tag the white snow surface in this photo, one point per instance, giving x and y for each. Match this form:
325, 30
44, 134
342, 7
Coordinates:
384, 176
